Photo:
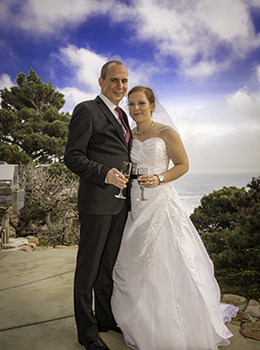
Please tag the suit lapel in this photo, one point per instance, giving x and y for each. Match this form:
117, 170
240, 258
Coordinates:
111, 118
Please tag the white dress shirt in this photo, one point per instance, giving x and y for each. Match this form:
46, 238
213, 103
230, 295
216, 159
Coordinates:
112, 107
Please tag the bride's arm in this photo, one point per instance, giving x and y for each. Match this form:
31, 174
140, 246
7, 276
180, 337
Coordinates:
178, 156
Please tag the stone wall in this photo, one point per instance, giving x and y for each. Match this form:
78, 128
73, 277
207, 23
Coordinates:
248, 316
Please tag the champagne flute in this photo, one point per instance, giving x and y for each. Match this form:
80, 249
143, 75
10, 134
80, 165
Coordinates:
126, 171
141, 171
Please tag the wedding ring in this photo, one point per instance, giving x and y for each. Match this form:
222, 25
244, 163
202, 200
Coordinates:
116, 176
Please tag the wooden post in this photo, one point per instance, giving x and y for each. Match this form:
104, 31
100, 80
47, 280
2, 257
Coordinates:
5, 230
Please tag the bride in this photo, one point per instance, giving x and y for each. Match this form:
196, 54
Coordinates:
165, 294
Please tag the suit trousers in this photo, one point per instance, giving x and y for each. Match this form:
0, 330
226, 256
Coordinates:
100, 238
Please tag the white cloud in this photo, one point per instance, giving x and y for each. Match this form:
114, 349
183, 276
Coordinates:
203, 69
254, 3
236, 151
258, 74
205, 36
195, 32
48, 16
222, 136
73, 96
238, 109
245, 107
86, 64
5, 81
217, 16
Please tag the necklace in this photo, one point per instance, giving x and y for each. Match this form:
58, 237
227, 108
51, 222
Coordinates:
144, 132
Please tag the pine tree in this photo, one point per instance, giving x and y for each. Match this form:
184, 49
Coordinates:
228, 221
31, 126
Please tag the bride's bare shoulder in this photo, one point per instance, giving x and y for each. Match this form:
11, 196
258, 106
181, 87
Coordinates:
164, 130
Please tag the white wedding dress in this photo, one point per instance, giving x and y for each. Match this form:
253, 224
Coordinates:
165, 295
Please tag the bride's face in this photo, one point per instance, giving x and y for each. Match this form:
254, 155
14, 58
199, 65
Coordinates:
140, 108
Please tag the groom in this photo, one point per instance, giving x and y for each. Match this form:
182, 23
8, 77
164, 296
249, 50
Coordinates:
96, 148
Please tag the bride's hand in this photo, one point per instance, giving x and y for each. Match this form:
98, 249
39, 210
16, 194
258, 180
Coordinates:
149, 181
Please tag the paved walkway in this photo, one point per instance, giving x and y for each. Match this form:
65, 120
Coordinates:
36, 304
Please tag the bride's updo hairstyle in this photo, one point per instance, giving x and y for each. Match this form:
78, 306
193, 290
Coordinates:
146, 90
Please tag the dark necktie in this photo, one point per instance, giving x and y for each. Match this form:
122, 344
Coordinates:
120, 113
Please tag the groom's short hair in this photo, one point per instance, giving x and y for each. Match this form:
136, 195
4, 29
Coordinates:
105, 67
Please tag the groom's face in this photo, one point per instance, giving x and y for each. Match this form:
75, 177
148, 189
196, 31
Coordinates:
115, 85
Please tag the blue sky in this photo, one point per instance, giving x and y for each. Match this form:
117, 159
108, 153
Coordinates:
201, 57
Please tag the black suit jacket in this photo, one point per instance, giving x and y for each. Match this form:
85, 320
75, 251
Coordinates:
95, 145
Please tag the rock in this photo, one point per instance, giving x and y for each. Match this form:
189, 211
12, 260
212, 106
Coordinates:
32, 239
251, 330
27, 247
253, 319
253, 308
235, 300
33, 246
15, 243
241, 317
24, 249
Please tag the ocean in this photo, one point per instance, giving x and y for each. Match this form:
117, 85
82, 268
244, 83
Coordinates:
192, 187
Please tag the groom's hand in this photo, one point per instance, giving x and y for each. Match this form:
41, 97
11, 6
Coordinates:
116, 178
